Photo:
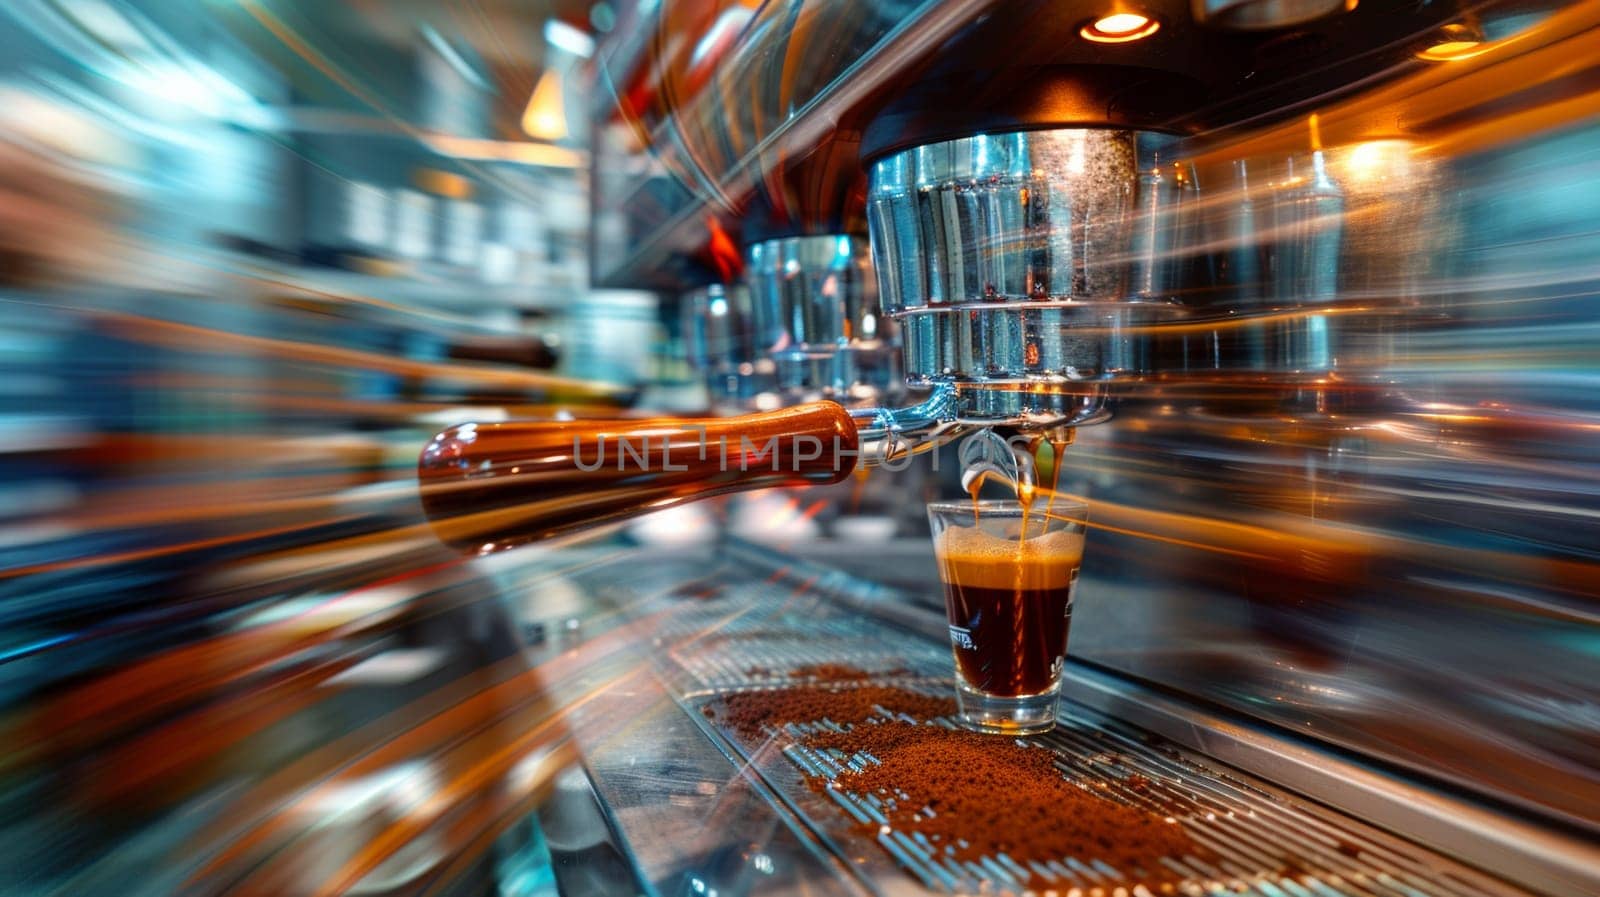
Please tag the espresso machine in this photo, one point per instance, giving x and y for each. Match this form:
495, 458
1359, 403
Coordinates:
1304, 286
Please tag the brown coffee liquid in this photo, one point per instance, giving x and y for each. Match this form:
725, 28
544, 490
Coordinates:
974, 490
1058, 449
1009, 605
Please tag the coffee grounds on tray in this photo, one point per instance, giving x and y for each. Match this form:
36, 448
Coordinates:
827, 672
992, 795
831, 672
749, 713
988, 794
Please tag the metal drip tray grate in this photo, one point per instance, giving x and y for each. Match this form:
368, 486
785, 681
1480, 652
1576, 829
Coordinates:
1260, 840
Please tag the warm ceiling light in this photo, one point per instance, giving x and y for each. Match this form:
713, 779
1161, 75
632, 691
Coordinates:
1119, 27
545, 118
1455, 41
1121, 23
1444, 51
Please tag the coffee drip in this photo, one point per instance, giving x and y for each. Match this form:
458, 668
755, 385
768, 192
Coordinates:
986, 455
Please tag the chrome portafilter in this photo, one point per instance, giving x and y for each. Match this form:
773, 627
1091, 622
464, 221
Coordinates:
720, 345
1026, 271
816, 317
1007, 260
1322, 258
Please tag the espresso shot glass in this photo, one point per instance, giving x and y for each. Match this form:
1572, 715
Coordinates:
1009, 573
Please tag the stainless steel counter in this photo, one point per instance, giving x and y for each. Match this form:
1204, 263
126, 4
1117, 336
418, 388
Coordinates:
529, 724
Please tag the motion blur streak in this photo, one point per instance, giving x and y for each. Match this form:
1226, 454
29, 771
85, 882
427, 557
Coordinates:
254, 254
243, 278
1560, 46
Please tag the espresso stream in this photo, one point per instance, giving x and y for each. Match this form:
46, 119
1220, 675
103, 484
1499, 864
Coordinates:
1009, 603
1025, 488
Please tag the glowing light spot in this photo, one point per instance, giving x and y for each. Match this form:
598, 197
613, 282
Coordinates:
545, 118
1457, 40
1450, 50
1121, 23
1119, 27
1375, 161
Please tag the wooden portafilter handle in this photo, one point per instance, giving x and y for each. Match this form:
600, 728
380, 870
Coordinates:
488, 487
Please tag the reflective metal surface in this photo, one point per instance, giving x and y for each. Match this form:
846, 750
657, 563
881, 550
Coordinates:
1002, 257
769, 629
1035, 215
1360, 231
728, 115
720, 337
253, 255
818, 319
1359, 500
1530, 854
757, 122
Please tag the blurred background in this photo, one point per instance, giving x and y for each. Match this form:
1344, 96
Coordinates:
255, 253
252, 256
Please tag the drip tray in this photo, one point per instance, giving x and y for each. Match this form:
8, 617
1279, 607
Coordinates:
1255, 838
